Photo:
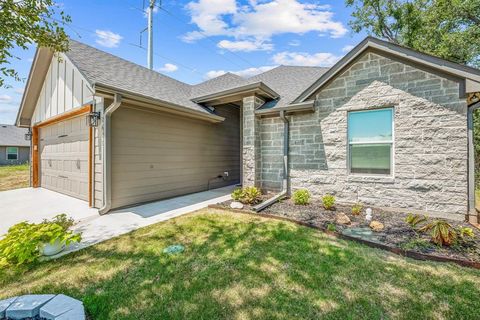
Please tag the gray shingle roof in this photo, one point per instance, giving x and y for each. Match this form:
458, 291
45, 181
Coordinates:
102, 68
13, 136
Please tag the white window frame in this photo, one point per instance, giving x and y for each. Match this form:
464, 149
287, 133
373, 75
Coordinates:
9, 153
392, 149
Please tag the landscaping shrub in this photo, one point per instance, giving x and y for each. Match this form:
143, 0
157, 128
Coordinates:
237, 194
301, 197
247, 195
328, 201
251, 195
357, 209
465, 232
23, 241
414, 220
442, 233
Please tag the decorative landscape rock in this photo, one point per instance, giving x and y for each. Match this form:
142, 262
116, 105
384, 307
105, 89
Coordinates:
342, 218
376, 226
42, 306
361, 233
236, 205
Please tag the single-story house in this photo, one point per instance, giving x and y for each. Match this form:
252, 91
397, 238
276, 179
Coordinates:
386, 125
14, 148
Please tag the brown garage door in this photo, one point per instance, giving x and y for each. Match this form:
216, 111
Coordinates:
63, 157
157, 155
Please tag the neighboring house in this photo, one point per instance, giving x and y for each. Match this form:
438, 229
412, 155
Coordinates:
14, 149
386, 125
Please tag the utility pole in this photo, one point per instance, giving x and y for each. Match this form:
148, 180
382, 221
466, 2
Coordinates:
150, 35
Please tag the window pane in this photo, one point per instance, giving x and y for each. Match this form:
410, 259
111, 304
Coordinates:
370, 158
12, 156
367, 126
12, 149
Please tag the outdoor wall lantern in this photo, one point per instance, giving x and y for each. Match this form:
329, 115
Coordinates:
93, 118
28, 135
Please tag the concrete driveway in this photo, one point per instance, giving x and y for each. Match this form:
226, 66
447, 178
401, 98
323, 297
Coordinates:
37, 204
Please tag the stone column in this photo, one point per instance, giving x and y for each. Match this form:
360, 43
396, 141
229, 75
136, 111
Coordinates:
251, 142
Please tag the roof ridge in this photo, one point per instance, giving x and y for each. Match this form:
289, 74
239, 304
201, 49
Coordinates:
128, 61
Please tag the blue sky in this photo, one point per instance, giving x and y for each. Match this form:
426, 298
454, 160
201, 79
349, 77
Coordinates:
199, 39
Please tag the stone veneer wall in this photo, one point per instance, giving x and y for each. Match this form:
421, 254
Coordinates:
430, 139
251, 160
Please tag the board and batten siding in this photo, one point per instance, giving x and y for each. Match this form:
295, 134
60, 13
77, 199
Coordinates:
64, 89
157, 155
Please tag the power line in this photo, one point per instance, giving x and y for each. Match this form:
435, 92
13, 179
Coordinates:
206, 37
73, 27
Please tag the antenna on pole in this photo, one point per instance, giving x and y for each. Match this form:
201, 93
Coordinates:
150, 34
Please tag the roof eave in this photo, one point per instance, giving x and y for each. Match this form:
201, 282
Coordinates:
168, 106
307, 106
258, 88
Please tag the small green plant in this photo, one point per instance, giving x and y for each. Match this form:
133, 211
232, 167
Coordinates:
62, 220
328, 201
237, 194
301, 197
331, 227
441, 232
417, 244
465, 234
357, 209
414, 220
251, 195
22, 242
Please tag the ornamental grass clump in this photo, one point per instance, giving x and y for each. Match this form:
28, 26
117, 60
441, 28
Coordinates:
301, 197
328, 202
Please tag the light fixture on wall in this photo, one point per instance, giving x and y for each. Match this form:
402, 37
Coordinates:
28, 135
93, 118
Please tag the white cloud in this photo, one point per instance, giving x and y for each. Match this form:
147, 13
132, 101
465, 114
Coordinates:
246, 73
108, 38
168, 67
348, 48
5, 98
245, 45
321, 59
259, 21
19, 90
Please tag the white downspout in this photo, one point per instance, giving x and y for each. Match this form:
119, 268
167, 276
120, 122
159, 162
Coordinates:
107, 154
472, 212
285, 191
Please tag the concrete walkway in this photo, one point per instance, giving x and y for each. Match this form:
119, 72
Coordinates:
37, 204
101, 228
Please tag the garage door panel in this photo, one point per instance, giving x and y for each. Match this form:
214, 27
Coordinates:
63, 157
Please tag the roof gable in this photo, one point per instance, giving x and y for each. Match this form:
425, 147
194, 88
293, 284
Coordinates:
469, 74
12, 136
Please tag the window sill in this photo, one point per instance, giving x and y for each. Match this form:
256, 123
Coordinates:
371, 179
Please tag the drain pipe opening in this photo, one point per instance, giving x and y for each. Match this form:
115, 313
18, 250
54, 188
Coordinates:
285, 191
107, 156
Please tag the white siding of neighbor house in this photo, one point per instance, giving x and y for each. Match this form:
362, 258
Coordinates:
64, 89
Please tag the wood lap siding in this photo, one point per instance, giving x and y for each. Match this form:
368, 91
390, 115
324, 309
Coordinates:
156, 155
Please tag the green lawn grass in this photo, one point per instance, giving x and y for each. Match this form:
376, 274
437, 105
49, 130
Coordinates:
245, 267
14, 177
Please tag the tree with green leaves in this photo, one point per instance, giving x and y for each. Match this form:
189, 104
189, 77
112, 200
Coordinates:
25, 22
449, 29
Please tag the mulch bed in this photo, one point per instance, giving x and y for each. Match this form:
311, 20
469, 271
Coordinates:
397, 236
